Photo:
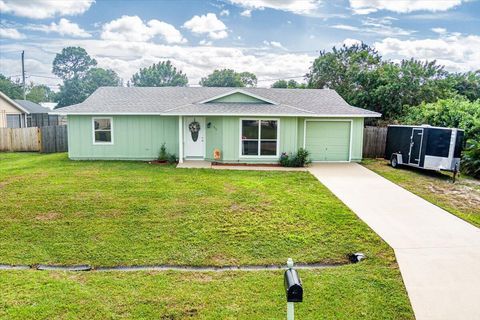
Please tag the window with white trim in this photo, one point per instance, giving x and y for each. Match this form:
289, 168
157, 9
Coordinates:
102, 130
259, 137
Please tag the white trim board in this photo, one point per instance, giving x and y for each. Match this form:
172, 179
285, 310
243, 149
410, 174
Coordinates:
111, 132
217, 114
238, 91
260, 157
330, 120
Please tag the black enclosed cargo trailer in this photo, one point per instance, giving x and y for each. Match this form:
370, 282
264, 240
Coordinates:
426, 147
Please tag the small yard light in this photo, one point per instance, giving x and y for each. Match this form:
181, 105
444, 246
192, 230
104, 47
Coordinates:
356, 257
293, 289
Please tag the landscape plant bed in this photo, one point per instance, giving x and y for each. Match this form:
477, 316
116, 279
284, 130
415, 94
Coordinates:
461, 198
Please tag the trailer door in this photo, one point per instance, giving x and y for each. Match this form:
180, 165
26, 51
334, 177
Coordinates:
415, 146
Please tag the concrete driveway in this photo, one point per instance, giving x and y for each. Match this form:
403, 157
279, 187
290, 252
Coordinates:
438, 253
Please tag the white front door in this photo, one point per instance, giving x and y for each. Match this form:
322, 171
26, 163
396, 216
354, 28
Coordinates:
194, 137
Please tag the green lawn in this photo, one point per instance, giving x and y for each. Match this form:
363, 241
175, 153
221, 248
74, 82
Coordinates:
58, 211
461, 198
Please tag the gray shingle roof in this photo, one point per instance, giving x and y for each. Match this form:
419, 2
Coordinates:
32, 107
186, 101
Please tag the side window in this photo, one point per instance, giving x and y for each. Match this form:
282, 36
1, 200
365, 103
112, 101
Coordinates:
102, 131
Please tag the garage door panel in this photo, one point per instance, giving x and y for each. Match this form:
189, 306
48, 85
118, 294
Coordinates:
328, 140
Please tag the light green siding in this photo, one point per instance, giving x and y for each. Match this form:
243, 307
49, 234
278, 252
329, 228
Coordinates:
140, 137
357, 134
224, 134
238, 97
328, 140
135, 137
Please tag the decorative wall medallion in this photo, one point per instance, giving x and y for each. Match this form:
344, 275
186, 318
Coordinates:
194, 128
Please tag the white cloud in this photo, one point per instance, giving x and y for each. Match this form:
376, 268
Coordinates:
132, 28
457, 52
274, 44
350, 42
42, 9
64, 28
246, 13
295, 6
207, 24
345, 27
439, 30
224, 12
379, 26
205, 42
198, 61
11, 33
402, 6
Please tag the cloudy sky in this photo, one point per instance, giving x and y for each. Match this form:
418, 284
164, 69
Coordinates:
271, 38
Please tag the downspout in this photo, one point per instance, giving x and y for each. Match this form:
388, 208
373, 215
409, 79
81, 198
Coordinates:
180, 139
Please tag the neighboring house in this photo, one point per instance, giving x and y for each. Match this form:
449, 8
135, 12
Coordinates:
12, 115
245, 125
38, 116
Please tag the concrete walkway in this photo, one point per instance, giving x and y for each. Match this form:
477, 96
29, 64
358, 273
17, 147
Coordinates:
438, 253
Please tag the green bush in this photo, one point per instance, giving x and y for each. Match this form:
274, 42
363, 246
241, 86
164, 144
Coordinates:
163, 155
471, 158
457, 113
299, 159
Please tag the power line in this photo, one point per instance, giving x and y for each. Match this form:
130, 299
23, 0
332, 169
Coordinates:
284, 78
39, 76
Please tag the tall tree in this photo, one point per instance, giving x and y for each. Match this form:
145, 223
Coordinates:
280, 84
71, 92
40, 93
229, 78
12, 89
341, 69
360, 76
98, 77
290, 84
162, 74
72, 62
467, 84
76, 90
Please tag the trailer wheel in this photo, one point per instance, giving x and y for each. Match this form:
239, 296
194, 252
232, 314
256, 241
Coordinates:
394, 161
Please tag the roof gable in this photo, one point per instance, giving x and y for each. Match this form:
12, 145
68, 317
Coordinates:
238, 96
13, 103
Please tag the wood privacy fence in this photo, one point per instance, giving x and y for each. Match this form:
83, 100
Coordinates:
45, 139
374, 141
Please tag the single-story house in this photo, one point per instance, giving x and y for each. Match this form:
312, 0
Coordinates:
230, 125
12, 115
38, 116
15, 113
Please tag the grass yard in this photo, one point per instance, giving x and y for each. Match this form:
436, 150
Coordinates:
57, 211
462, 198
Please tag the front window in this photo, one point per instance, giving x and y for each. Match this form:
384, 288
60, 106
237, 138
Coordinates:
102, 130
259, 137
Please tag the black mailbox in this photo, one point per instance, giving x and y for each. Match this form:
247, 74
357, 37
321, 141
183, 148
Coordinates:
293, 286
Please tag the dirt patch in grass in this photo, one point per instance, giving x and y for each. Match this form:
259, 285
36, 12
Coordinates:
47, 216
462, 196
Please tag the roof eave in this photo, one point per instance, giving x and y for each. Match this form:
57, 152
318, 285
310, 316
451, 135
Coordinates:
377, 115
15, 104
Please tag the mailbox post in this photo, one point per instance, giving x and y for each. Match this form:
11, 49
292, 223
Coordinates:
293, 289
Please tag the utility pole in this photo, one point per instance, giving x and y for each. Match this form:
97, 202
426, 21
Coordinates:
23, 76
